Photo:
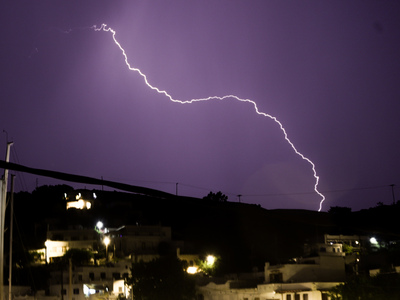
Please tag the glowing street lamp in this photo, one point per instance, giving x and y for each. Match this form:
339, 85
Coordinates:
99, 225
106, 241
207, 266
210, 260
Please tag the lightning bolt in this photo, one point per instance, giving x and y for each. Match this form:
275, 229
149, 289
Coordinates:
105, 28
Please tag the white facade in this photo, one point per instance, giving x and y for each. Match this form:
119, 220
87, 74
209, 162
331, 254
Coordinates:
59, 248
309, 278
322, 268
355, 241
93, 282
281, 291
139, 239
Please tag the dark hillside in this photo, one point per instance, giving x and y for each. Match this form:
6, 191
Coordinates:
243, 235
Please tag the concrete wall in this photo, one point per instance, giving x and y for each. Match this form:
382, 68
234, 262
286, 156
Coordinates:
306, 290
325, 268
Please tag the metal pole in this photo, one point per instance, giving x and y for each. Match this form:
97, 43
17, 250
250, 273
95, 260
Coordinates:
11, 237
3, 196
70, 280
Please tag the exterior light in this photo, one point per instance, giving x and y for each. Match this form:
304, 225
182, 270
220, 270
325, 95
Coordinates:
106, 241
80, 204
192, 270
99, 225
210, 260
373, 241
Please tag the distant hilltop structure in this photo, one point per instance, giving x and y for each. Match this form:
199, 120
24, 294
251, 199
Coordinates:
80, 199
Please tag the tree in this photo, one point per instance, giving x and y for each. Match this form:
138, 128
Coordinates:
162, 278
382, 286
78, 257
217, 197
208, 265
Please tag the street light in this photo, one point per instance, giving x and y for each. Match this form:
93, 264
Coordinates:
99, 225
106, 241
210, 260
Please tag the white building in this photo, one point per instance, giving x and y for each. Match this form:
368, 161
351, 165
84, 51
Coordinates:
60, 241
308, 278
328, 265
94, 282
281, 291
139, 240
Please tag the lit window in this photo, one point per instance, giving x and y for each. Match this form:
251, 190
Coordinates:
192, 270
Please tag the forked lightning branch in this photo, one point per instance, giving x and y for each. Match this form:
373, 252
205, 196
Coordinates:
105, 28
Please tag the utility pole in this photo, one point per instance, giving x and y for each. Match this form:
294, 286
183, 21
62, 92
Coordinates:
11, 238
3, 195
70, 279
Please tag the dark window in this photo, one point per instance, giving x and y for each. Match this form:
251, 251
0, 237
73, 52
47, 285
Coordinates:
80, 277
288, 297
324, 296
297, 297
116, 275
91, 276
76, 291
64, 291
276, 278
58, 237
103, 275
305, 296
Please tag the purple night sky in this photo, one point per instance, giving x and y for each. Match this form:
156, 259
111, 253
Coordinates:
329, 71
